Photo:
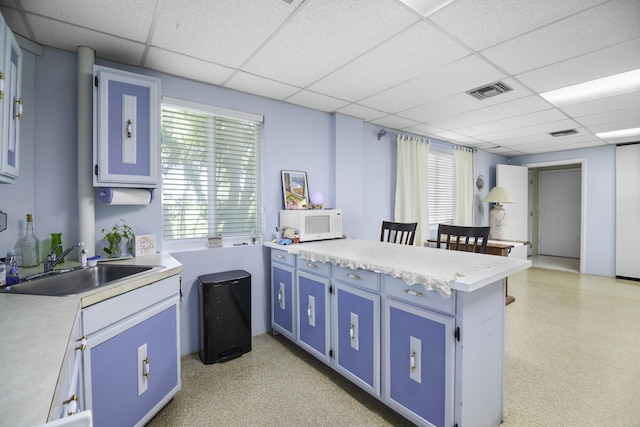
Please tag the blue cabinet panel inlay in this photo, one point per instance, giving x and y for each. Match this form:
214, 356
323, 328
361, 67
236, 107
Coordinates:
283, 318
116, 123
358, 362
427, 398
314, 336
116, 382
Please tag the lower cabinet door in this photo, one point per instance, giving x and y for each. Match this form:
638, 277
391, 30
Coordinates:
314, 314
131, 369
282, 300
420, 357
356, 332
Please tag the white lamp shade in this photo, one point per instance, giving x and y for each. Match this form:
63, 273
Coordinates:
498, 195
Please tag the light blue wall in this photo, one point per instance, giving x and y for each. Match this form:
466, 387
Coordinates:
342, 156
600, 213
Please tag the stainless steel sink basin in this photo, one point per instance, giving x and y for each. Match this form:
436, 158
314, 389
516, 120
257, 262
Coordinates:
77, 280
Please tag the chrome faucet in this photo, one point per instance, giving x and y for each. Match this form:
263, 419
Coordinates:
51, 260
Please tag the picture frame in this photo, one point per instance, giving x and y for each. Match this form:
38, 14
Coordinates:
295, 189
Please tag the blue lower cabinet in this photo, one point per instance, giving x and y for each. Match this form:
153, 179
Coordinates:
132, 371
356, 331
282, 300
420, 351
314, 314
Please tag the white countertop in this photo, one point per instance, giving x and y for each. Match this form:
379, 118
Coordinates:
434, 269
34, 334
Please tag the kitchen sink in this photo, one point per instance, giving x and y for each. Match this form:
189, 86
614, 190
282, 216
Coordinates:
75, 281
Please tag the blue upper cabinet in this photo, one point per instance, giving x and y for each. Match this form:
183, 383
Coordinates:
10, 104
126, 129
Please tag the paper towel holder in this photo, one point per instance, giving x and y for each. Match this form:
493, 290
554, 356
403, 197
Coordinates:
137, 196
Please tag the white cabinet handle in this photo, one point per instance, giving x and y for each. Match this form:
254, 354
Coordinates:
351, 333
412, 361
129, 128
309, 311
414, 293
280, 256
17, 108
72, 405
353, 276
311, 265
146, 367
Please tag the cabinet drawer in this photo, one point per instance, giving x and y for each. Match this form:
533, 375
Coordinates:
361, 278
417, 295
320, 268
283, 257
99, 316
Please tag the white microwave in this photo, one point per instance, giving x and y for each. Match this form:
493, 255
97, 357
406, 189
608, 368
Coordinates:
313, 224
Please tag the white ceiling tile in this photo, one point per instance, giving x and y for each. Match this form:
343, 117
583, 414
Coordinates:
257, 85
365, 113
612, 103
414, 51
66, 37
594, 65
620, 125
470, 20
461, 103
394, 122
503, 151
497, 137
322, 36
531, 119
495, 112
123, 18
186, 66
622, 140
610, 117
544, 139
459, 76
423, 129
230, 31
605, 25
485, 145
317, 101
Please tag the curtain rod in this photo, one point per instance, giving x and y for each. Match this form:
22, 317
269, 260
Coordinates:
383, 132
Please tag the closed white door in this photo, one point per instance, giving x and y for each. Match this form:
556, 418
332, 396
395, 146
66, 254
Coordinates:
559, 213
627, 208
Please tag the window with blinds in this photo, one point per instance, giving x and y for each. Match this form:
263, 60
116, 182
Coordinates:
442, 187
210, 174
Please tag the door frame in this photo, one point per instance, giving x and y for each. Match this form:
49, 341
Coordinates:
583, 198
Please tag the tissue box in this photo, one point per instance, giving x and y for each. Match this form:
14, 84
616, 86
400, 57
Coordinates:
144, 244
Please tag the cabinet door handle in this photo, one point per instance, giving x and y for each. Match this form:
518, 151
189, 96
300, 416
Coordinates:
309, 311
83, 343
72, 405
414, 293
146, 367
353, 276
280, 256
311, 265
351, 333
17, 108
412, 361
129, 128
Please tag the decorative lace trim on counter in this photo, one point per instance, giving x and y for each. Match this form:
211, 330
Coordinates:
433, 269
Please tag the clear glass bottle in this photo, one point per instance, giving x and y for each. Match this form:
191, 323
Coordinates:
30, 246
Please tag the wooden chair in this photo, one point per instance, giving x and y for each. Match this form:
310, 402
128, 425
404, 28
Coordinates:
467, 239
398, 232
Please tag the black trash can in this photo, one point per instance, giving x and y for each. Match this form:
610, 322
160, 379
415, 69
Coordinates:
225, 319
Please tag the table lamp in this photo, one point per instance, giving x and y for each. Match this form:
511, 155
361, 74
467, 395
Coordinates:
497, 215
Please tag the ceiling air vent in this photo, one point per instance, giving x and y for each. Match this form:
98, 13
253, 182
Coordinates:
490, 90
563, 133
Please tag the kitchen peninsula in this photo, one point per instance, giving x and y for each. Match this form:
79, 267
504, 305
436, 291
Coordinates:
40, 333
421, 329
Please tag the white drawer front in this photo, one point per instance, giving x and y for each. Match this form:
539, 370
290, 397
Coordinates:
361, 278
283, 257
320, 268
417, 295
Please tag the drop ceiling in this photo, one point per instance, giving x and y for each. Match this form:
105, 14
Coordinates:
378, 59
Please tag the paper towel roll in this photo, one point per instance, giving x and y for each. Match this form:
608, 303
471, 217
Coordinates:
126, 196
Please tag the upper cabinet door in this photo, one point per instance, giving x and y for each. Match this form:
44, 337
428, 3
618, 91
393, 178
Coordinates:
126, 129
11, 104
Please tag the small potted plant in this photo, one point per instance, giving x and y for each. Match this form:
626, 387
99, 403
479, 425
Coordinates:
114, 237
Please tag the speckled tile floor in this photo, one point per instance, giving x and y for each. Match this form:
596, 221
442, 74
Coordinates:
572, 359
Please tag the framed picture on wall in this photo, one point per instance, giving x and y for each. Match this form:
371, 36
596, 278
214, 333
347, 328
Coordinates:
295, 189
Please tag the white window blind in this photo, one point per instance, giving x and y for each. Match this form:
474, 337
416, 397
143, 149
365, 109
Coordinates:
210, 174
441, 188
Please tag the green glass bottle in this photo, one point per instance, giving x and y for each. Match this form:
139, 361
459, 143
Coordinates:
56, 240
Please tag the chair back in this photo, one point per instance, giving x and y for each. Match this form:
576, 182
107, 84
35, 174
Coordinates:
398, 232
467, 239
